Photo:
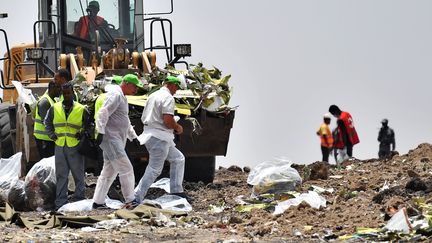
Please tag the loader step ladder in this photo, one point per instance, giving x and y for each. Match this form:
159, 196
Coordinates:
39, 63
6, 59
167, 44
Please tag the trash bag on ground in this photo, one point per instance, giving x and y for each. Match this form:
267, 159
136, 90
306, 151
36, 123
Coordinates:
341, 156
40, 185
399, 222
170, 202
86, 205
275, 176
312, 198
10, 170
163, 183
17, 197
4, 191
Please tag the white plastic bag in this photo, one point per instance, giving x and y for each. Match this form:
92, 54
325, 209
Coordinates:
25, 95
274, 177
171, 202
86, 205
10, 170
163, 183
312, 198
341, 156
40, 185
399, 222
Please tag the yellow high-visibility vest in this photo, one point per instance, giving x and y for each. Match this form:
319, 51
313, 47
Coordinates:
98, 104
66, 129
39, 128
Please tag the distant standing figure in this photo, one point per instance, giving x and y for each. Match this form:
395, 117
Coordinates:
386, 137
326, 137
346, 127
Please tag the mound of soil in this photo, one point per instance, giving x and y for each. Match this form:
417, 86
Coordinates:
365, 194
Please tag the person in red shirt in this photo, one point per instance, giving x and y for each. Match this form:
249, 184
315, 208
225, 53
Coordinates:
346, 127
86, 25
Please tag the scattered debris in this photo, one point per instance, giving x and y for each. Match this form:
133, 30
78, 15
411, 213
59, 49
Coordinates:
399, 222
170, 202
273, 177
365, 205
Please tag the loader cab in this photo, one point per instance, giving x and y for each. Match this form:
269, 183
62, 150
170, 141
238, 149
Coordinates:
65, 25
112, 19
61, 31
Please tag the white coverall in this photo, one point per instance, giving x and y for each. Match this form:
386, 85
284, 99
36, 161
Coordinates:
159, 142
113, 121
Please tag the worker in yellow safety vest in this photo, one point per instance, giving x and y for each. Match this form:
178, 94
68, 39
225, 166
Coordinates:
44, 143
326, 137
65, 123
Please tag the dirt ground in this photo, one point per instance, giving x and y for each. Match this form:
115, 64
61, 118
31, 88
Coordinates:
357, 201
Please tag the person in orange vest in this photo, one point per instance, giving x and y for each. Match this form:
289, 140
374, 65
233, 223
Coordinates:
326, 138
346, 127
86, 25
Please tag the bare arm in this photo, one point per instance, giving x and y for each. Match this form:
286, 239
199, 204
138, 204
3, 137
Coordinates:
172, 124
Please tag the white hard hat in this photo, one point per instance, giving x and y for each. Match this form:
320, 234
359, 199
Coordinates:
327, 116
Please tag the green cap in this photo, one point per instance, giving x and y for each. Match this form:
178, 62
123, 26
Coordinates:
172, 80
94, 4
117, 79
133, 79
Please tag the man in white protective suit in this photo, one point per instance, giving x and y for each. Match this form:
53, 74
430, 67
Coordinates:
158, 136
114, 127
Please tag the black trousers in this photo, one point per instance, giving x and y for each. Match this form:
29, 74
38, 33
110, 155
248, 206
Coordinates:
325, 153
45, 148
384, 150
349, 149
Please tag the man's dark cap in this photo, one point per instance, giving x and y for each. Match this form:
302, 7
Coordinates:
94, 4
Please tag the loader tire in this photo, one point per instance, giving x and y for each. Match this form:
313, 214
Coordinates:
6, 149
200, 169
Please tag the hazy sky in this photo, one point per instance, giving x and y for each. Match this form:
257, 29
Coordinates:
290, 60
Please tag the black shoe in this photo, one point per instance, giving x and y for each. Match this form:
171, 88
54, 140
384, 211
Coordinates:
100, 206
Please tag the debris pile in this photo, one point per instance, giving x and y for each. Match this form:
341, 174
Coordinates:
202, 88
369, 200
